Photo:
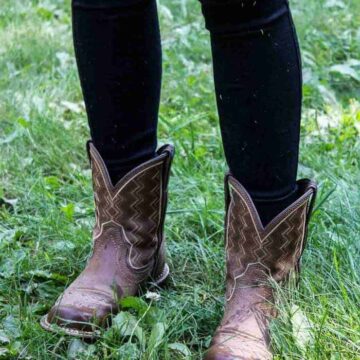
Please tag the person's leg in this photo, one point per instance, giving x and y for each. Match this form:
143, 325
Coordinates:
257, 75
258, 86
118, 52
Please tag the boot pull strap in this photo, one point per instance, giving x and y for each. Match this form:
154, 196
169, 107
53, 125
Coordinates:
88, 150
310, 209
227, 190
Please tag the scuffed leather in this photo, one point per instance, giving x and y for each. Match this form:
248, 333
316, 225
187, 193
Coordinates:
256, 257
128, 244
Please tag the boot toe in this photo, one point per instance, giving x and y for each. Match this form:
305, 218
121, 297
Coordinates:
216, 353
235, 347
238, 353
81, 316
71, 318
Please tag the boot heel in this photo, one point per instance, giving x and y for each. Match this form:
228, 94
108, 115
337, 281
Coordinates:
162, 277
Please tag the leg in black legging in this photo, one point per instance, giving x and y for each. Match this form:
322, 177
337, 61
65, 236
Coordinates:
118, 52
257, 75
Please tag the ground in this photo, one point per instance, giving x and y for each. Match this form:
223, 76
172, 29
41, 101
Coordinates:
46, 206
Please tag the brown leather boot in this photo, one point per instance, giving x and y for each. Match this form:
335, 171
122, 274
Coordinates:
256, 256
129, 249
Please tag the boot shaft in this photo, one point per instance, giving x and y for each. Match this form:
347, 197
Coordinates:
255, 254
134, 208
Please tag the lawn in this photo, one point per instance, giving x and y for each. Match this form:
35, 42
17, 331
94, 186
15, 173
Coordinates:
46, 204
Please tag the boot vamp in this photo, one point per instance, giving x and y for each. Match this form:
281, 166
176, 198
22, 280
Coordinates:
95, 293
108, 269
88, 300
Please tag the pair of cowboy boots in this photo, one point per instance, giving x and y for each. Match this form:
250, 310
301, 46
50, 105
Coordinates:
129, 251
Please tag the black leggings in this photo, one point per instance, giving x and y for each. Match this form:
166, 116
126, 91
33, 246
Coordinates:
257, 74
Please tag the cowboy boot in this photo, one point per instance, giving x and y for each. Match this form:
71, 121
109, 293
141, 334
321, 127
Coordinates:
256, 257
128, 248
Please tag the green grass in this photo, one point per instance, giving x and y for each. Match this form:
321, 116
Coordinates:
46, 206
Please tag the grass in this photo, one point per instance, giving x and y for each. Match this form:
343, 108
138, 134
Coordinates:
46, 206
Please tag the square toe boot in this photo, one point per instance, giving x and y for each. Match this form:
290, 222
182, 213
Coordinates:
256, 256
128, 245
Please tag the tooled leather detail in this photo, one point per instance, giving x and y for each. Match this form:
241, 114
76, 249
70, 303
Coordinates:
133, 207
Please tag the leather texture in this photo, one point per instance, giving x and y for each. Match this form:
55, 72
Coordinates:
257, 258
128, 248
